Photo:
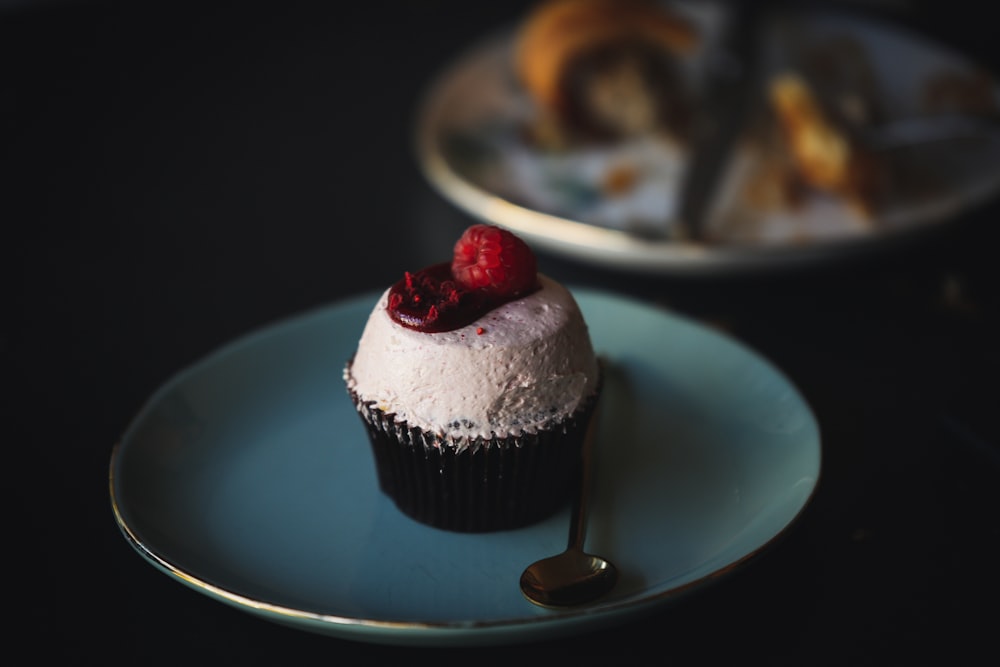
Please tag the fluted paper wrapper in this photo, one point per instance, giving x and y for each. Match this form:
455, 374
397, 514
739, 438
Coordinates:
485, 485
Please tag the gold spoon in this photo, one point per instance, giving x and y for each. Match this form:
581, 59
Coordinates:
574, 576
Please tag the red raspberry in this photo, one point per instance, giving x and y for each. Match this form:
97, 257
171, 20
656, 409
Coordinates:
493, 259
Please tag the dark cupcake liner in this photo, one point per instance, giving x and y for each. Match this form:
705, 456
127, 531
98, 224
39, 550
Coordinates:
485, 485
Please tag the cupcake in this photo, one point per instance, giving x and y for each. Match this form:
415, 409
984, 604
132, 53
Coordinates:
475, 380
604, 70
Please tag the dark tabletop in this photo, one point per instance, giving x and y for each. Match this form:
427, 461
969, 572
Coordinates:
175, 174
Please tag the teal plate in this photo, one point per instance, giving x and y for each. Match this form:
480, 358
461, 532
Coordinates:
248, 478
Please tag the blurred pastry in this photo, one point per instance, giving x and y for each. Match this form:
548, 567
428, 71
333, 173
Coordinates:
604, 70
845, 82
822, 152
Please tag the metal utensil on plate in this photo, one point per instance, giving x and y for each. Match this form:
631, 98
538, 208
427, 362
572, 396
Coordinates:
732, 78
574, 576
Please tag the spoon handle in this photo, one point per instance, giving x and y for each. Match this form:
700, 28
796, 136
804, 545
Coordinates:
578, 524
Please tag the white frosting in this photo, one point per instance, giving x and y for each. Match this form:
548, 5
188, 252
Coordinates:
531, 363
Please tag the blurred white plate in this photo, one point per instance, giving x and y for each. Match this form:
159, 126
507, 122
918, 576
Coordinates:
471, 147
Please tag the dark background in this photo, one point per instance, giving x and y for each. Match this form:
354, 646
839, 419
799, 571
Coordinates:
174, 174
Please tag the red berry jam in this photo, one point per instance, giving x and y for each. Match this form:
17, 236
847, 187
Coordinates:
442, 297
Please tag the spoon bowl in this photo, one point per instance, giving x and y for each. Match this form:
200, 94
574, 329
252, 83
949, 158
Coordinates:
570, 578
